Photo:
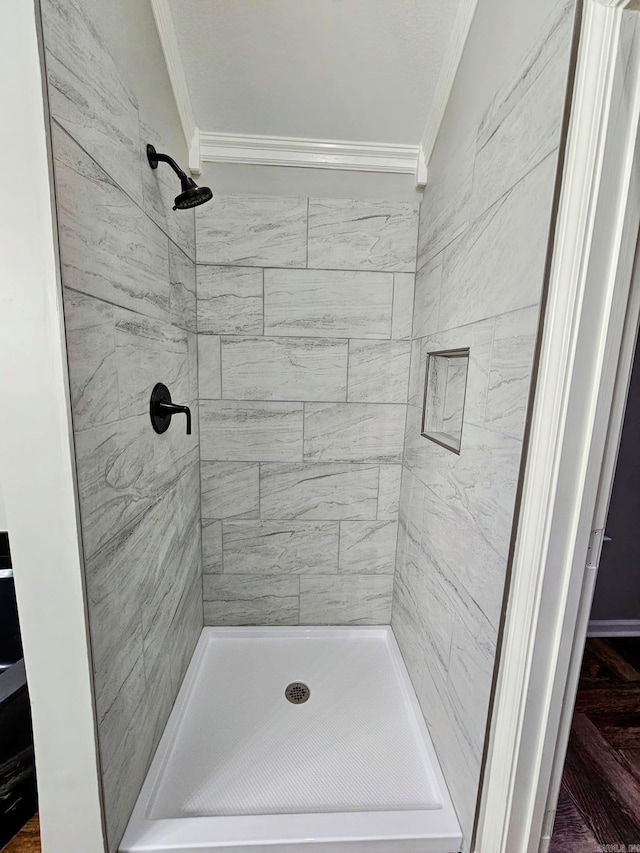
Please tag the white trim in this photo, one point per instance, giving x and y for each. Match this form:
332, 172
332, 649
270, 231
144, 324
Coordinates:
569, 422
36, 457
614, 628
195, 159
169, 42
307, 153
448, 71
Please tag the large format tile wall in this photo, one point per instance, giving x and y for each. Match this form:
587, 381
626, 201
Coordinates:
484, 231
304, 325
128, 271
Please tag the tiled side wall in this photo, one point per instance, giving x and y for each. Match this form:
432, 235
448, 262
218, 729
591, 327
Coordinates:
304, 325
483, 239
128, 270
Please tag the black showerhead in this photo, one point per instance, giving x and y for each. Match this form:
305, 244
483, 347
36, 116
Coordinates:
192, 195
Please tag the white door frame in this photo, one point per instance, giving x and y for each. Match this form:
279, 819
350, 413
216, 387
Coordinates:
36, 455
586, 352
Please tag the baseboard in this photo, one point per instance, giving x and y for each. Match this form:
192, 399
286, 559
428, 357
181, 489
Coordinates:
614, 628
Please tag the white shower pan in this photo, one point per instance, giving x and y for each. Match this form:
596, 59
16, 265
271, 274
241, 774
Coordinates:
241, 768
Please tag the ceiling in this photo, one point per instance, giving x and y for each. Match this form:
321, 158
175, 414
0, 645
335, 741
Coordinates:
357, 70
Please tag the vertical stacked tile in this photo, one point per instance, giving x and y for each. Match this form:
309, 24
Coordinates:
484, 229
304, 326
128, 273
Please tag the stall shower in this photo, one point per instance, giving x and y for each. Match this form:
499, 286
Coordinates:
330, 521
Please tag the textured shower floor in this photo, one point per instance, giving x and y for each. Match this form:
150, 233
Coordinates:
354, 762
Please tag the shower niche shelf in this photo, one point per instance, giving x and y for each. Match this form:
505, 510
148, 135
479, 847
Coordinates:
445, 389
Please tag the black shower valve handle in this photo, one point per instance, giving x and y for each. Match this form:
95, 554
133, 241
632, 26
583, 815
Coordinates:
174, 409
162, 409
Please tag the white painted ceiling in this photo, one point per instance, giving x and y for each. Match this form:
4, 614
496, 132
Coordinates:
358, 70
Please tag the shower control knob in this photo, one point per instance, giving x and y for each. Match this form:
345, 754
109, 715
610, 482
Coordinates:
161, 409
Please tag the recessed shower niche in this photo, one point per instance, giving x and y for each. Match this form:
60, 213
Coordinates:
444, 396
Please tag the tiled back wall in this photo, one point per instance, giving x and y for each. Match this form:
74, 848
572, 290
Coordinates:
304, 325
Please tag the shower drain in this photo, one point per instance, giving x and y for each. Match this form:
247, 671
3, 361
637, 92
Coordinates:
297, 692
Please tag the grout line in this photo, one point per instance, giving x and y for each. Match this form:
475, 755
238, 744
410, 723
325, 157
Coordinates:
138, 313
267, 266
306, 263
393, 305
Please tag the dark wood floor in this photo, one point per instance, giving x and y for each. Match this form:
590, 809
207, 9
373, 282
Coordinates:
27, 840
599, 805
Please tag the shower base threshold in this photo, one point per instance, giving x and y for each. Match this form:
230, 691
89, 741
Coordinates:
241, 767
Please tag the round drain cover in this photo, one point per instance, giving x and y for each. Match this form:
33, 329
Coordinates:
297, 692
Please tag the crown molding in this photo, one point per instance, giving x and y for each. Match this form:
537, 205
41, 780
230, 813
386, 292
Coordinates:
448, 71
169, 43
307, 153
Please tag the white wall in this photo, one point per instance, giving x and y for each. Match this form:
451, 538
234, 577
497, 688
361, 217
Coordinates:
38, 479
3, 514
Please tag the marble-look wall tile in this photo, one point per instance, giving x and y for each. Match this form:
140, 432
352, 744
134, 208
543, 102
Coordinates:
280, 547
253, 231
248, 600
497, 265
123, 774
318, 491
521, 111
470, 676
353, 432
389, 492
149, 351
116, 470
460, 766
284, 369
511, 367
114, 580
180, 557
324, 304
349, 234
403, 294
211, 546
230, 300
182, 279
345, 600
108, 247
409, 594
209, 367
378, 371
91, 352
427, 298
444, 213
87, 94
368, 547
246, 432
230, 489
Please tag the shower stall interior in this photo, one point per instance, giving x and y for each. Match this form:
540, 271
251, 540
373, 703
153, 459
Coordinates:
294, 587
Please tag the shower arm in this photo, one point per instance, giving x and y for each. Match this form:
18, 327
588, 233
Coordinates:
154, 158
